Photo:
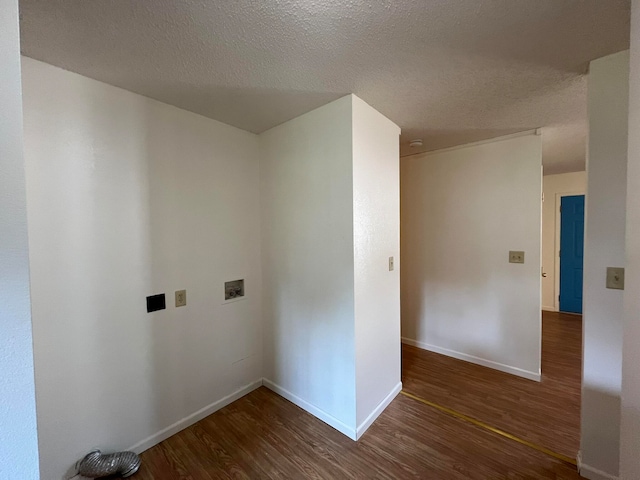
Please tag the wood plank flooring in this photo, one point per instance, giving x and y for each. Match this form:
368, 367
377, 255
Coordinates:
546, 413
263, 436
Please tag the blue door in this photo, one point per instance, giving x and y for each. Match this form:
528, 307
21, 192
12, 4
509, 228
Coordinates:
571, 253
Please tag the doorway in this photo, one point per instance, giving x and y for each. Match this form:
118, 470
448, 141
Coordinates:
571, 253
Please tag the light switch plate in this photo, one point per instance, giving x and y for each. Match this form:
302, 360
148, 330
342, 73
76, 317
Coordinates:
181, 298
516, 256
391, 264
615, 278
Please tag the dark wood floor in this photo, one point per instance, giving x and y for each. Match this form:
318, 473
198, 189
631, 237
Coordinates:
546, 413
264, 436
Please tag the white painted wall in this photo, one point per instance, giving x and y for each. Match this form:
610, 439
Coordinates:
630, 413
555, 187
130, 197
329, 194
462, 211
604, 247
307, 262
376, 228
18, 435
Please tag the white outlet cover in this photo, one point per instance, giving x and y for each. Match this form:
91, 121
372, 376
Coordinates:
516, 256
181, 298
615, 278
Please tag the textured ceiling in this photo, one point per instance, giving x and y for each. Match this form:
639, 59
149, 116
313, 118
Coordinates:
446, 71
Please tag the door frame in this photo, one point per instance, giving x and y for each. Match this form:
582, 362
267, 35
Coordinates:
556, 258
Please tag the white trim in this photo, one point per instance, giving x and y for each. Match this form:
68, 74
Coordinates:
579, 460
541, 278
556, 250
473, 359
174, 428
312, 409
479, 142
549, 309
594, 474
378, 410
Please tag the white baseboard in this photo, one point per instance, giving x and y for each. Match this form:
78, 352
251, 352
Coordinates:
378, 410
473, 359
312, 409
174, 428
193, 418
549, 309
594, 474
579, 460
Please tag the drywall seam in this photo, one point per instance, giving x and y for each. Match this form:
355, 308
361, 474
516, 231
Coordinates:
195, 417
312, 409
378, 410
473, 359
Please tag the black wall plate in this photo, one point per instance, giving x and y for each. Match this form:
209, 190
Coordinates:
156, 302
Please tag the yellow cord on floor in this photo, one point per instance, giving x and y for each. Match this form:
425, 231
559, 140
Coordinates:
485, 426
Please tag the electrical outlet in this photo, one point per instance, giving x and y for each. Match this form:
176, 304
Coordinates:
516, 256
391, 264
615, 278
181, 298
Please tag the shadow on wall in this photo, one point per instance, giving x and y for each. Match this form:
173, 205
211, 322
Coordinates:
251, 109
600, 435
461, 302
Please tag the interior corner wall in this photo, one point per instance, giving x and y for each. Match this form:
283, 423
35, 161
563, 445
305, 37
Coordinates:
462, 211
308, 262
129, 197
18, 432
630, 411
554, 187
376, 219
604, 247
